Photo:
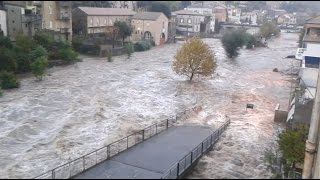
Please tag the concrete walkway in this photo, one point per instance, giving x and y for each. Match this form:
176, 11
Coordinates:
151, 158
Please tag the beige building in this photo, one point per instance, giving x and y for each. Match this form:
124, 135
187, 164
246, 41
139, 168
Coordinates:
89, 20
150, 25
27, 17
188, 22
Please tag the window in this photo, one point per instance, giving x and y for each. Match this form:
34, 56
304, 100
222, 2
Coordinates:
12, 21
181, 20
14, 29
148, 24
50, 10
105, 21
189, 21
50, 24
12, 11
26, 25
98, 22
308, 31
132, 21
91, 21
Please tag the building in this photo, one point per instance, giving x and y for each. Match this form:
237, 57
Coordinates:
249, 18
312, 32
221, 13
209, 16
91, 20
287, 19
172, 28
28, 17
188, 22
305, 90
234, 15
150, 25
132, 5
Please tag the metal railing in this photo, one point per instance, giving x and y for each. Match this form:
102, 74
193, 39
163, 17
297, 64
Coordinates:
180, 167
89, 160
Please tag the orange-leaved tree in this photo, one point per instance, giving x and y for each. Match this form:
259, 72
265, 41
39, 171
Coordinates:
195, 57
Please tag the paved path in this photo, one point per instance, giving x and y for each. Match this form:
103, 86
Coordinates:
152, 157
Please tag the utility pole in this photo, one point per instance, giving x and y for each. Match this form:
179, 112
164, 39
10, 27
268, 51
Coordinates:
311, 142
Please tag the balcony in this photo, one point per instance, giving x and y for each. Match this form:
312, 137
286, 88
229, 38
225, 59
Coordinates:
64, 16
311, 38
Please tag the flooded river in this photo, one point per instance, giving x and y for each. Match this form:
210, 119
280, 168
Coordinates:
81, 107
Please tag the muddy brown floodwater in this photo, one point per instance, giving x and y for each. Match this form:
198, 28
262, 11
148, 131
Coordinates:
81, 107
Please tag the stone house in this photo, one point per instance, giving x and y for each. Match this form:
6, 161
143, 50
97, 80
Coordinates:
91, 20
234, 15
188, 22
150, 25
220, 12
208, 13
27, 17
249, 17
287, 19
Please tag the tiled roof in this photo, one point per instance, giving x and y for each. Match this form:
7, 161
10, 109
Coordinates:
94, 11
147, 15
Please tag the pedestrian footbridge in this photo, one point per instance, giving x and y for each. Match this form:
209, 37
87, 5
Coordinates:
160, 151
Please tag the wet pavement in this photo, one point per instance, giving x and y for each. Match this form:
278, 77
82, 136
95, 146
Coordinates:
79, 108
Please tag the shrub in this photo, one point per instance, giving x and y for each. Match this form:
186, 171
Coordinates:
68, 54
38, 52
7, 60
8, 80
129, 49
44, 39
142, 46
250, 41
39, 67
26, 43
5, 42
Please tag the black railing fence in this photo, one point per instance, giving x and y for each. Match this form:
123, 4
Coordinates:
89, 160
180, 167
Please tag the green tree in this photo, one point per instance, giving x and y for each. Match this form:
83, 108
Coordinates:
160, 7
232, 41
39, 67
44, 39
129, 49
195, 57
25, 43
7, 60
124, 30
267, 29
292, 144
38, 52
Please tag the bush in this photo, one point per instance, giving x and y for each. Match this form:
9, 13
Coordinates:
7, 60
250, 41
5, 42
25, 43
231, 41
142, 46
68, 54
8, 80
44, 39
38, 52
129, 49
39, 67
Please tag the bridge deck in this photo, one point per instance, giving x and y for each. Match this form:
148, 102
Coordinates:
151, 158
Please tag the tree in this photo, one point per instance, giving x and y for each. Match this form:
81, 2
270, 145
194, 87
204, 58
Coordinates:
268, 28
5, 42
195, 57
160, 7
292, 144
123, 29
38, 52
7, 60
39, 67
129, 49
232, 41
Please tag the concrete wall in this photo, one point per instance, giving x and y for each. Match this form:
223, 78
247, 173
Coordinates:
14, 20
302, 113
280, 115
3, 22
309, 76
